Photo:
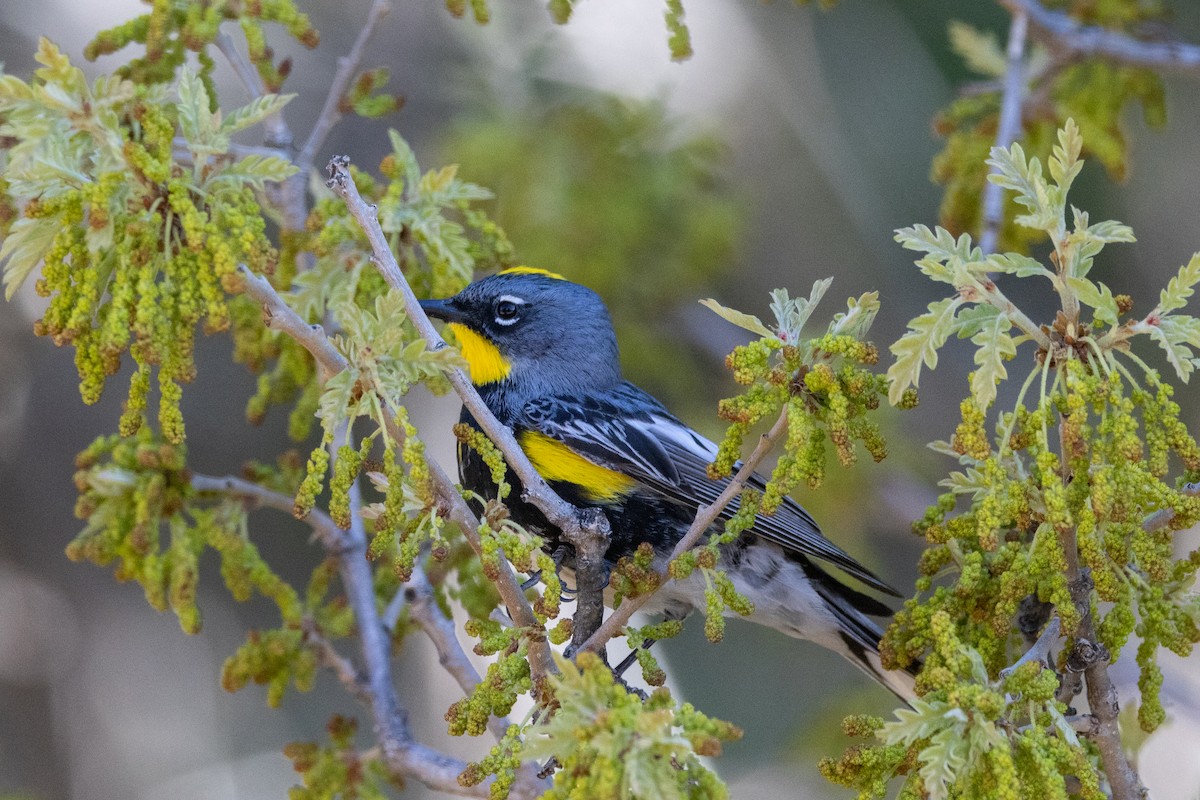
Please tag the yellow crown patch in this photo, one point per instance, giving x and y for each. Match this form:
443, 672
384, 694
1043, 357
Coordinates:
531, 271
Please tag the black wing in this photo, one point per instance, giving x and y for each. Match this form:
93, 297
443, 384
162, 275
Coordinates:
629, 431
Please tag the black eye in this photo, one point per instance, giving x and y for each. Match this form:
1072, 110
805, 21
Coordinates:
507, 310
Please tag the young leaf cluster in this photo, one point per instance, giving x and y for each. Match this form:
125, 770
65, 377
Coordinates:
170, 30
338, 771
1064, 481
135, 247
971, 736
823, 383
609, 742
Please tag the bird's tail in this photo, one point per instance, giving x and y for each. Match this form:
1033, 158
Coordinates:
859, 634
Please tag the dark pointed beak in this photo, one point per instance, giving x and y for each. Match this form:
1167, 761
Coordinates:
443, 309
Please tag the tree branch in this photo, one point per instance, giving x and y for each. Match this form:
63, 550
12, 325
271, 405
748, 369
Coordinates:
1007, 128
1162, 518
417, 596
341, 666
374, 689
330, 535
279, 135
1040, 650
541, 662
347, 65
1082, 40
403, 754
705, 517
279, 316
587, 530
1101, 693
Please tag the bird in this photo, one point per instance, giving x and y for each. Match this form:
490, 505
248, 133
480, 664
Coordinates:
542, 353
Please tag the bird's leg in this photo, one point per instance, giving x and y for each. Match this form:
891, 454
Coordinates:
533, 580
560, 553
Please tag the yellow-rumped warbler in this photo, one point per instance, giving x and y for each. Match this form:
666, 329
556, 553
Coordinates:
542, 353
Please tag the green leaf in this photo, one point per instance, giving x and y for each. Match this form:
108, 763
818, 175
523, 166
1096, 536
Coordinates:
980, 51
741, 319
791, 313
1064, 163
939, 243
1179, 289
27, 242
195, 120
1110, 231
1010, 170
995, 347
920, 721
255, 112
1175, 346
1098, 297
407, 159
857, 320
257, 171
927, 333
942, 761
972, 319
971, 482
1017, 264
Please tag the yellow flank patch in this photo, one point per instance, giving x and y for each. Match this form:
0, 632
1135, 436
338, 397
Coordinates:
531, 271
554, 461
484, 361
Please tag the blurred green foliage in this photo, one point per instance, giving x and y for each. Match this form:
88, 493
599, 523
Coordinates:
615, 195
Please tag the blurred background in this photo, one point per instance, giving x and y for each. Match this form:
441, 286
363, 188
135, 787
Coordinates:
786, 150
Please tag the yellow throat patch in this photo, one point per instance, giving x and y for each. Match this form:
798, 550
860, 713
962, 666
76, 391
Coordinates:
484, 361
554, 461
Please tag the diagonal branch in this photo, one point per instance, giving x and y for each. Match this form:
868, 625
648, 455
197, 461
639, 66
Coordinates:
417, 596
587, 530
404, 754
279, 316
374, 688
330, 535
1091, 40
347, 65
705, 517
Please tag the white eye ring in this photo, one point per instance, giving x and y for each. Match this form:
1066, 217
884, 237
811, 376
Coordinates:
508, 310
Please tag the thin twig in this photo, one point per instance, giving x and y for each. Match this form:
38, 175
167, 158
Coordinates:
1163, 518
1040, 650
1007, 128
323, 526
279, 135
279, 316
418, 597
341, 666
290, 197
347, 65
1082, 40
705, 517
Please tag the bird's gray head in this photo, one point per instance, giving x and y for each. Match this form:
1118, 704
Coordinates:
534, 328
